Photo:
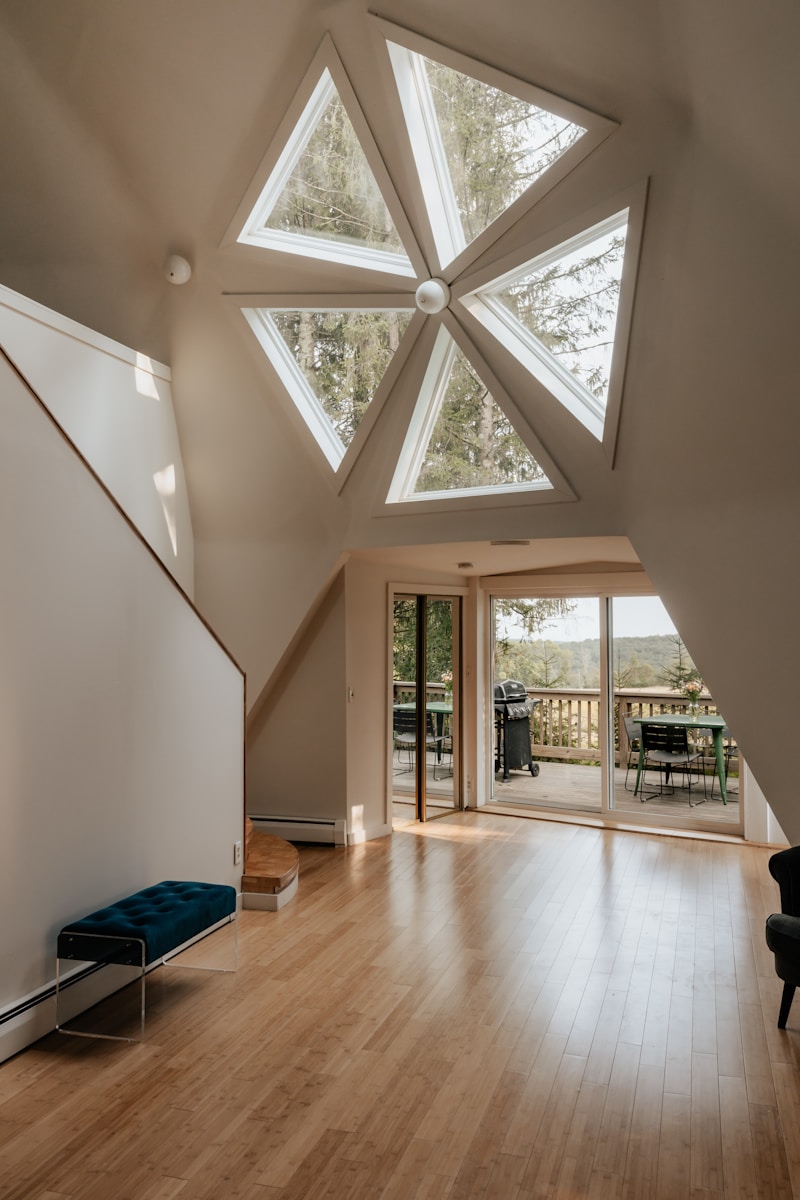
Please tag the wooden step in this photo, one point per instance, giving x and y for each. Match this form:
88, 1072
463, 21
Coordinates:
271, 868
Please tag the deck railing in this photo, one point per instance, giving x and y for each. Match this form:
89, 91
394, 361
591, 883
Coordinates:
565, 725
405, 692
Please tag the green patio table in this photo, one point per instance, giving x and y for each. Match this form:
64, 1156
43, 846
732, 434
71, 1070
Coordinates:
706, 721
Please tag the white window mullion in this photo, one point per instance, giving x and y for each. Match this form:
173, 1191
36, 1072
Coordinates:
290, 156
429, 153
577, 399
422, 424
296, 384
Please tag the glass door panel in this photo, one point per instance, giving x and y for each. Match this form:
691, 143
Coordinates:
441, 670
404, 694
425, 707
552, 648
654, 676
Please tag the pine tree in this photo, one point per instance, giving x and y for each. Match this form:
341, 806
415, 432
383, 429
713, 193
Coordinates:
681, 669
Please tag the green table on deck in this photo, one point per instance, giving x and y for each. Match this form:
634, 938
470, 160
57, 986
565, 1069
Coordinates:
705, 721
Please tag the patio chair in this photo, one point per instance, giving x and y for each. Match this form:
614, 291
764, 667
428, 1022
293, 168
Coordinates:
444, 750
633, 734
666, 747
404, 726
783, 928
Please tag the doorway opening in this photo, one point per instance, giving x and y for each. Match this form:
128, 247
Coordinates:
425, 743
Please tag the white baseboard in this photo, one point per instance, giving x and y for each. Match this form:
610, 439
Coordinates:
24, 1030
40, 1018
356, 837
302, 829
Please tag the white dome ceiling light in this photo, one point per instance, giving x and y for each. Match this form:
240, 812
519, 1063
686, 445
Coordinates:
433, 296
177, 269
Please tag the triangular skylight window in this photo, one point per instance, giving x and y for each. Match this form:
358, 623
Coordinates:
331, 363
487, 147
478, 147
558, 315
322, 198
460, 441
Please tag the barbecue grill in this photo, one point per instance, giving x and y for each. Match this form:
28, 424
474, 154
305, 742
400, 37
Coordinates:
512, 719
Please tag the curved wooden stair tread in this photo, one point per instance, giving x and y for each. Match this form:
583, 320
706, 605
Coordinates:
271, 864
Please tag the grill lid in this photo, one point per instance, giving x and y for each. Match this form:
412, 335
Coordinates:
508, 690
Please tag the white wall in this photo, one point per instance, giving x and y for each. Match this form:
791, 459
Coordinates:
296, 758
760, 824
116, 406
121, 716
367, 699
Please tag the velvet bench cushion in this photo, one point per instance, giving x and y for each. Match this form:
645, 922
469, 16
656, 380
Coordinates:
163, 916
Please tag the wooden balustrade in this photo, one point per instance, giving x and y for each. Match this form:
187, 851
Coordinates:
565, 724
405, 692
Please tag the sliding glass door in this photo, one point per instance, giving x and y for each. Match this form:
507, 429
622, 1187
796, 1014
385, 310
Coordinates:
425, 706
656, 682
593, 669
551, 647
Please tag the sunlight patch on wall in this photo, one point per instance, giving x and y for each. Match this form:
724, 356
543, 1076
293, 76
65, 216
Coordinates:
165, 482
145, 378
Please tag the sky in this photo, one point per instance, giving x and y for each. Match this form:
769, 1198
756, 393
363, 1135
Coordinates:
634, 616
640, 616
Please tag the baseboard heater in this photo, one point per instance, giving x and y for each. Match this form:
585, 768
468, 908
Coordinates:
303, 829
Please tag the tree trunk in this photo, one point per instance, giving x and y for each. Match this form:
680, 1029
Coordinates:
305, 342
486, 446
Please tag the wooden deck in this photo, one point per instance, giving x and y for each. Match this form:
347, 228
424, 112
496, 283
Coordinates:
566, 787
577, 788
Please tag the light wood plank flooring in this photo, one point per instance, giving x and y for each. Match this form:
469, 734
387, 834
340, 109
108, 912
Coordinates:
482, 1006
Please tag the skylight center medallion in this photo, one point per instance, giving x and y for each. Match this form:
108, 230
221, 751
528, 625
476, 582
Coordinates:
432, 296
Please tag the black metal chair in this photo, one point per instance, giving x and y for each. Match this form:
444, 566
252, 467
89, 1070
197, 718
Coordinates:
404, 727
633, 733
444, 751
783, 928
666, 747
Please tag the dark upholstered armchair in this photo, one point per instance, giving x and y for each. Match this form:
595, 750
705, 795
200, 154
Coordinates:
783, 928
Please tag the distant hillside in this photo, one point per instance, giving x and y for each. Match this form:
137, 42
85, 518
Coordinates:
637, 662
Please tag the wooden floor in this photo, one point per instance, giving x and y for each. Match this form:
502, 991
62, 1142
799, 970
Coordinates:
481, 1006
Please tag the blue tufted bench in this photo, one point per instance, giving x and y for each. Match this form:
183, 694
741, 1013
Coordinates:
142, 930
